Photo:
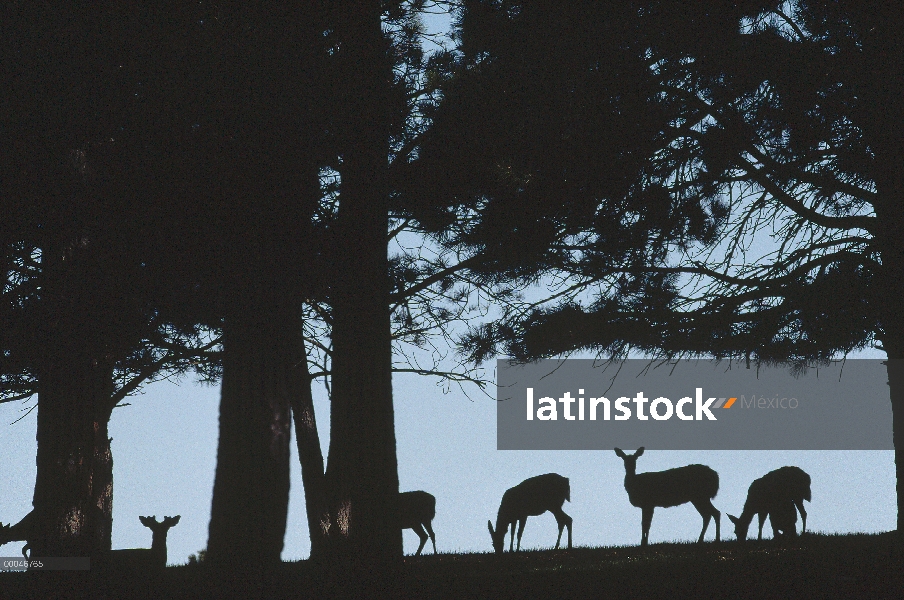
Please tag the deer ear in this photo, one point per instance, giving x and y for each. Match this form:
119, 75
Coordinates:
639, 451
490, 527
618, 452
733, 519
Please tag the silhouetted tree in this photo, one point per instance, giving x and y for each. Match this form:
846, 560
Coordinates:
785, 127
539, 152
84, 330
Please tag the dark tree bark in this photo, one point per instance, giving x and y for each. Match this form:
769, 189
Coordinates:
74, 485
251, 486
73, 497
362, 471
310, 455
895, 367
262, 230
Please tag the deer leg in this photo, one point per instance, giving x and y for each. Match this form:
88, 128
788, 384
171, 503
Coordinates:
708, 511
776, 532
512, 538
718, 518
521, 525
429, 528
645, 521
419, 530
563, 521
568, 521
704, 512
799, 503
762, 517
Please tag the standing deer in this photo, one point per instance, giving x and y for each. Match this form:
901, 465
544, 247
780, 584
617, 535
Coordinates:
152, 558
530, 498
697, 484
20, 532
776, 489
416, 511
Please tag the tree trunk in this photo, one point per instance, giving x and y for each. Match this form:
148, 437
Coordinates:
362, 471
251, 486
887, 296
895, 367
73, 496
310, 456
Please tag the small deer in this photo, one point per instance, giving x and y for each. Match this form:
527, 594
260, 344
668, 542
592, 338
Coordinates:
697, 484
146, 558
416, 511
775, 491
530, 498
20, 532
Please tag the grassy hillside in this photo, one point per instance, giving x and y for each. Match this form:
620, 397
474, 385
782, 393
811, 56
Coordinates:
814, 566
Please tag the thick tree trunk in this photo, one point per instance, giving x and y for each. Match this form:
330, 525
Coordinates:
310, 456
362, 471
73, 496
251, 486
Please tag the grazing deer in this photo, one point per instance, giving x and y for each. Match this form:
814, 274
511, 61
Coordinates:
152, 558
697, 484
416, 511
776, 489
20, 532
530, 498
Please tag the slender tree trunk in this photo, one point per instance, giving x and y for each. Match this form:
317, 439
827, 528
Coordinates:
888, 296
362, 471
895, 367
251, 486
310, 456
880, 106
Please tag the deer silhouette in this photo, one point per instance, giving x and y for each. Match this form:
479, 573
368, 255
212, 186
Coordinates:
416, 511
530, 498
152, 558
20, 532
771, 493
697, 484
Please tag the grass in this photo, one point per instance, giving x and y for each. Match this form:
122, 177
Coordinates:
812, 566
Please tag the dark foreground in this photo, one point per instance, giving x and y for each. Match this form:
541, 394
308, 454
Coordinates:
814, 566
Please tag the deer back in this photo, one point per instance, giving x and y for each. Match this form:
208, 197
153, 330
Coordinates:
672, 487
534, 496
792, 482
416, 508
